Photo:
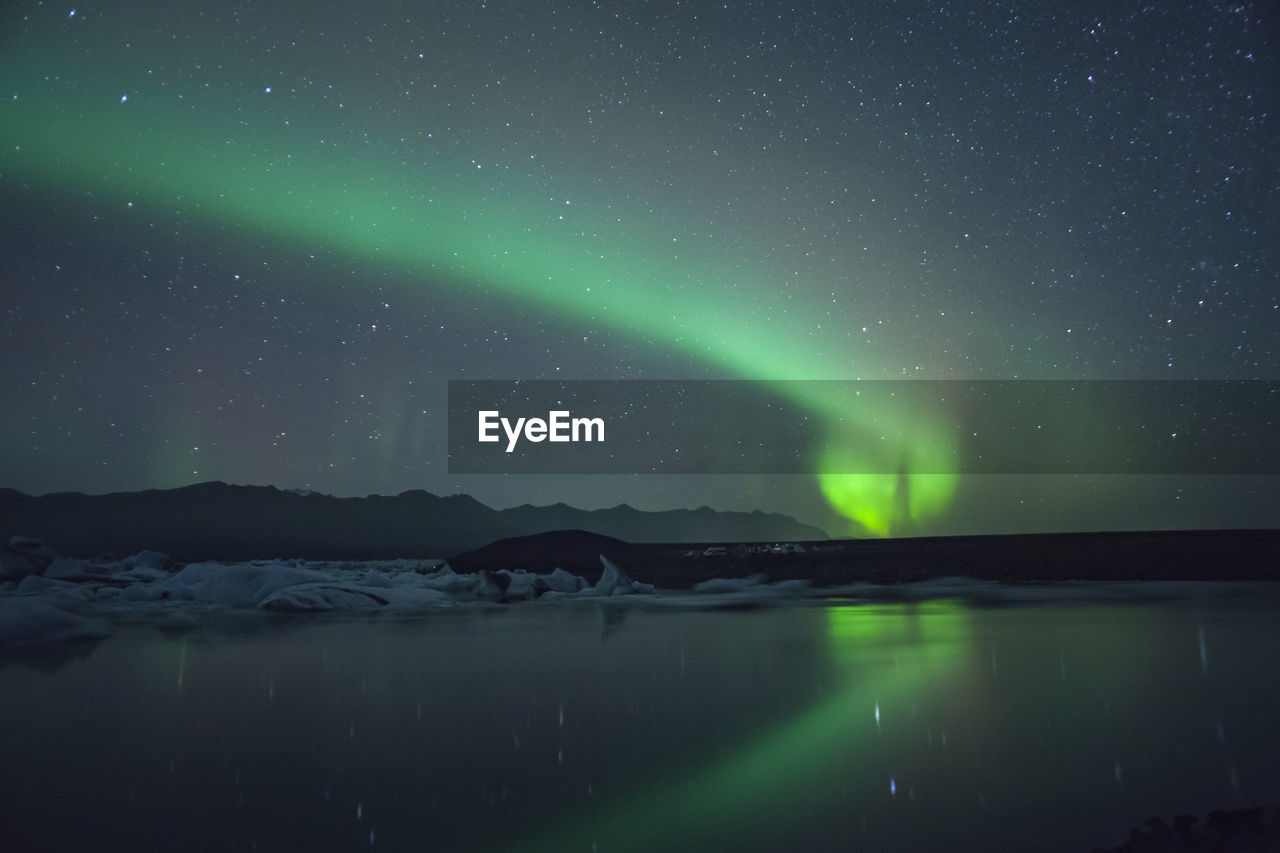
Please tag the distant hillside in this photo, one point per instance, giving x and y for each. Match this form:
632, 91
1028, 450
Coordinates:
677, 525
575, 551
220, 521
1164, 555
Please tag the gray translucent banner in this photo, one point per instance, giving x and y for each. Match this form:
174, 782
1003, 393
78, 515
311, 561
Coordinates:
864, 427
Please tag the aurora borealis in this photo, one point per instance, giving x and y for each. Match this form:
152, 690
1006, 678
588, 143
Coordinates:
252, 243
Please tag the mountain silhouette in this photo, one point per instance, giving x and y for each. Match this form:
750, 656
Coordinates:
217, 521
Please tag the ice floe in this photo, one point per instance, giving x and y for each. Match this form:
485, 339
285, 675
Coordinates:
46, 597
49, 618
613, 582
49, 598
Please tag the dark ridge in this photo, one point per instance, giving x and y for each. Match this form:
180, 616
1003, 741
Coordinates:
676, 525
575, 551
1251, 829
217, 521
1217, 555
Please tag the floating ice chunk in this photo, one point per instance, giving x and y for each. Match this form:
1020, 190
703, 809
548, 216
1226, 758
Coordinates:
562, 581
48, 618
66, 569
298, 600
447, 580
145, 574
487, 586
614, 582
521, 585
717, 586
377, 579
409, 598
395, 567
742, 592
409, 580
145, 560
35, 584
143, 566
322, 596
24, 556
611, 578
308, 597
239, 584
145, 592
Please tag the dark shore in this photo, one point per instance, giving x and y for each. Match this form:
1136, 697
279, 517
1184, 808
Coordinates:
1197, 555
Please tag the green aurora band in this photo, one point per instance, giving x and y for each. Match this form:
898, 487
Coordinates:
68, 129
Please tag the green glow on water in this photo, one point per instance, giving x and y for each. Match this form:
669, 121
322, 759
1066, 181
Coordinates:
747, 795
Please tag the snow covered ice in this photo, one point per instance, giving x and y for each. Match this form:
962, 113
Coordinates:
46, 597
49, 598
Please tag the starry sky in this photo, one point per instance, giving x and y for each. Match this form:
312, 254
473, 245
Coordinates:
252, 242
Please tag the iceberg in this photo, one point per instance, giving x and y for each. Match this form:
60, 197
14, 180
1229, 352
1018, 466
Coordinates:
561, 581
613, 582
48, 618
49, 598
238, 584
446, 579
719, 586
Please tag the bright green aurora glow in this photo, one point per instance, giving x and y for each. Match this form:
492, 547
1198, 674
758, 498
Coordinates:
70, 130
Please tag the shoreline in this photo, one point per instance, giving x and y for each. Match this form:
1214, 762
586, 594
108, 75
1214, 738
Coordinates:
46, 597
1192, 555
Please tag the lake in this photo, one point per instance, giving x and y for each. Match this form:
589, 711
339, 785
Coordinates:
834, 725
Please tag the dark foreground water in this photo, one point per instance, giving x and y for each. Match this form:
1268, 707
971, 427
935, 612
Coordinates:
915, 726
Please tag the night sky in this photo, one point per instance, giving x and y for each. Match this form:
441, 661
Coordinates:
252, 241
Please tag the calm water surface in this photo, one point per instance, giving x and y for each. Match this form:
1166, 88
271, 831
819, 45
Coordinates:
836, 726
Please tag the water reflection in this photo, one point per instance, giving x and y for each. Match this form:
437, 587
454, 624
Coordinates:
765, 788
909, 725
